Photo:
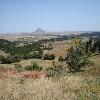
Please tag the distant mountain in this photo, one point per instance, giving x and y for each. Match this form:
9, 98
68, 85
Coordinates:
39, 31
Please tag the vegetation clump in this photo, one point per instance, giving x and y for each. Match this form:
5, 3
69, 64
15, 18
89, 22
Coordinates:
18, 52
54, 71
61, 59
35, 55
18, 67
33, 66
49, 57
76, 58
9, 59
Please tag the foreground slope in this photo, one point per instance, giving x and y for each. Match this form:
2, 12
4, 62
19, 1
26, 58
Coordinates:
83, 85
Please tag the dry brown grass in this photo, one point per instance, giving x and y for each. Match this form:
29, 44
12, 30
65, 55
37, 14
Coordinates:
40, 62
39, 89
60, 48
73, 86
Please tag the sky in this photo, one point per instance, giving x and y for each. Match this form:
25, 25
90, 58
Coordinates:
50, 15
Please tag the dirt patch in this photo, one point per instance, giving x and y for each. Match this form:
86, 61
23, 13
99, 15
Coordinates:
12, 73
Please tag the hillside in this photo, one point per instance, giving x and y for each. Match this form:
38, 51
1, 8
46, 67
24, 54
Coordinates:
36, 79
72, 87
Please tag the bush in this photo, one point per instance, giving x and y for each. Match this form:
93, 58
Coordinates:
26, 56
54, 71
2, 59
32, 55
61, 59
10, 59
36, 55
18, 67
49, 57
52, 57
17, 58
33, 66
7, 60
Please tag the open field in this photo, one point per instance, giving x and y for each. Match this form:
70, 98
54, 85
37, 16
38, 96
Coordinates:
28, 37
60, 48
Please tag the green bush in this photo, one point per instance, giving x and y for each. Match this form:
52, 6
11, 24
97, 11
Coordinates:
54, 71
36, 55
2, 59
52, 56
61, 59
33, 66
49, 57
17, 58
10, 59
7, 60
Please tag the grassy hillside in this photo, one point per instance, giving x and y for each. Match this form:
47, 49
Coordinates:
34, 85
83, 85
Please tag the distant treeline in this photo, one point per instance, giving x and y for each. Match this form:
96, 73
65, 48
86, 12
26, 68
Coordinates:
94, 34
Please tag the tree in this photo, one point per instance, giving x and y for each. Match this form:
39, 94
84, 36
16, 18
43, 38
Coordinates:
98, 45
89, 47
76, 57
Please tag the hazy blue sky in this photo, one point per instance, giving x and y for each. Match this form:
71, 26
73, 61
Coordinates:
50, 15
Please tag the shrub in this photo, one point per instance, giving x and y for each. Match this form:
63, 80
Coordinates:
52, 56
33, 66
49, 57
18, 67
61, 59
2, 59
7, 60
36, 55
32, 55
10, 59
46, 57
17, 58
54, 71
